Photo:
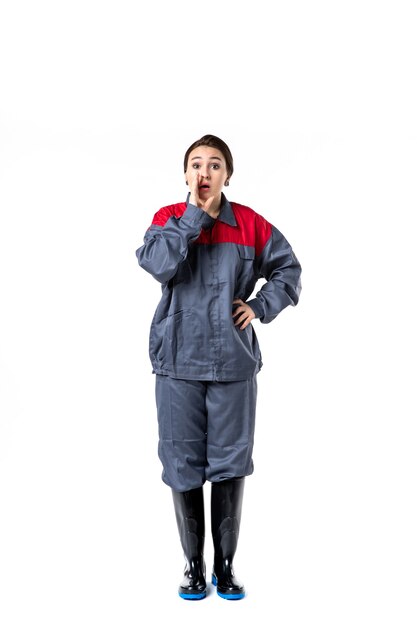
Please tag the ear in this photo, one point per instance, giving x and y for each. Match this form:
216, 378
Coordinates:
186, 181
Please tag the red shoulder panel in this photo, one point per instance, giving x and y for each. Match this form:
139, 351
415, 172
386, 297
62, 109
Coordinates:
251, 229
263, 231
162, 216
255, 229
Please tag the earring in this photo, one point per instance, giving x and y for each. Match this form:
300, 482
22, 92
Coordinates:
186, 182
226, 184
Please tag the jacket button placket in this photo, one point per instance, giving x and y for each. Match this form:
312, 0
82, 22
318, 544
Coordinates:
214, 310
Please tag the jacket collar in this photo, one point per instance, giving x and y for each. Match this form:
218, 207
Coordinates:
226, 214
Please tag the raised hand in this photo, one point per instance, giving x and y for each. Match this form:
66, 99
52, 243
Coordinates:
205, 203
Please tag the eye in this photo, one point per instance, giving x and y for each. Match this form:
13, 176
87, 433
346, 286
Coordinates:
196, 166
215, 166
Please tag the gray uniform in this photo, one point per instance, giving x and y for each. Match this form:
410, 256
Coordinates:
206, 426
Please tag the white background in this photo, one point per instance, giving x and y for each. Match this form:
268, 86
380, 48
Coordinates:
99, 101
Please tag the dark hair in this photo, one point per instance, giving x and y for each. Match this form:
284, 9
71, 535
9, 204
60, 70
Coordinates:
213, 142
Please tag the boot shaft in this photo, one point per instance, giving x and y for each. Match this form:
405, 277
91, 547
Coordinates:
226, 512
189, 513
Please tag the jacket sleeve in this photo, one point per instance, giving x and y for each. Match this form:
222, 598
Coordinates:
166, 241
278, 264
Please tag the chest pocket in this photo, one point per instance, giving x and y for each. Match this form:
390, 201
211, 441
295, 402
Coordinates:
245, 276
246, 253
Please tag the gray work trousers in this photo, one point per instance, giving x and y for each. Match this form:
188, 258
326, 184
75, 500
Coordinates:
206, 430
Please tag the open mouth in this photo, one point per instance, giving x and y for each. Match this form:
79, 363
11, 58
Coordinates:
204, 187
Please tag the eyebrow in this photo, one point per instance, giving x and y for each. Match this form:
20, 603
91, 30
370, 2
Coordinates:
212, 157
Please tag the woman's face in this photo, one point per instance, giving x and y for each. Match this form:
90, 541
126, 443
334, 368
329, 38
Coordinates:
210, 165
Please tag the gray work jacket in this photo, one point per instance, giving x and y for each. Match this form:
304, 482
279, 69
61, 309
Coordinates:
204, 264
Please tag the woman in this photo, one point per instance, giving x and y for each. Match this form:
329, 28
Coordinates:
209, 253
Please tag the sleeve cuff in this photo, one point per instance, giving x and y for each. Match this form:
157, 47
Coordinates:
256, 306
195, 216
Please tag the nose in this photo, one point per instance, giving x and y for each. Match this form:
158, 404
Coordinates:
204, 172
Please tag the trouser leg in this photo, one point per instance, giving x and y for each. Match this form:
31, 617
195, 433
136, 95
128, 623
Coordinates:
231, 409
182, 422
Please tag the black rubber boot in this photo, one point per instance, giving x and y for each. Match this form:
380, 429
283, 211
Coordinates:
189, 511
226, 510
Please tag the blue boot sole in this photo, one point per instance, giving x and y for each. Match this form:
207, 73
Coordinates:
192, 596
226, 596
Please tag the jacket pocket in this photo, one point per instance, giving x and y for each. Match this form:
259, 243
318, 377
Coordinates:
245, 272
246, 253
174, 337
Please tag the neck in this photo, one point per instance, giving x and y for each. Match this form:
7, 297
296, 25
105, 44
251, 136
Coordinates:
215, 207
